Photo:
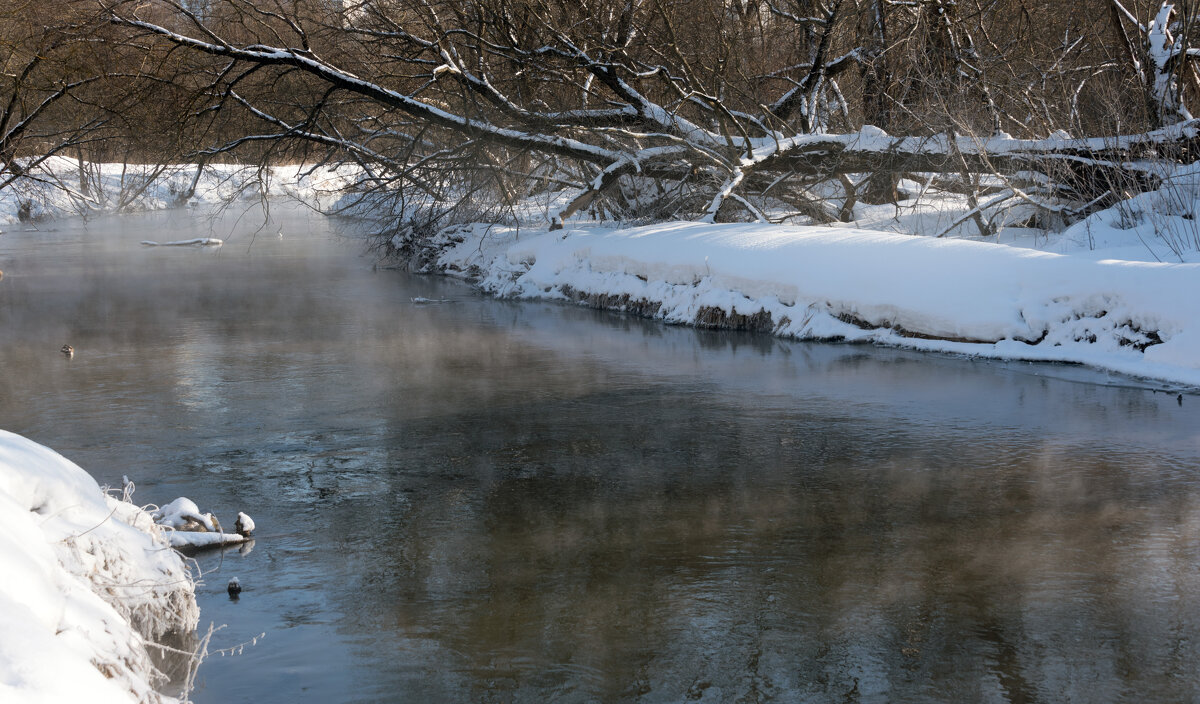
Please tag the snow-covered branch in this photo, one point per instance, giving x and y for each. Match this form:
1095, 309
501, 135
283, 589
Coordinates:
620, 97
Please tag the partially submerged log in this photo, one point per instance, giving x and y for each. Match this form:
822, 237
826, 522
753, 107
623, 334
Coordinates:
196, 242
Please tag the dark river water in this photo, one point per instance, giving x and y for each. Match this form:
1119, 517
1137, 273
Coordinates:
488, 501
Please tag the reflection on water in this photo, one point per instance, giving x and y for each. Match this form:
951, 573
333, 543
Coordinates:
489, 501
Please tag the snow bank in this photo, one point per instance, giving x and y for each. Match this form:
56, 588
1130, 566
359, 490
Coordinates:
87, 579
1096, 305
946, 295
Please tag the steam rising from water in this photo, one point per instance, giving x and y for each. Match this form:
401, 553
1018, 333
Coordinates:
498, 501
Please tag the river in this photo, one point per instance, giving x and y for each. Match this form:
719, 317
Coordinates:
489, 501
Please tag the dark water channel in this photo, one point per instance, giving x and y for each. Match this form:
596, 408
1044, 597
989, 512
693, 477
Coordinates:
485, 501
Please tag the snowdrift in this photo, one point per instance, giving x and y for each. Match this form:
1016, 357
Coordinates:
957, 296
87, 581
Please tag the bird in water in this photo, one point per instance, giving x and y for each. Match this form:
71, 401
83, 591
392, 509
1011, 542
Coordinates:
234, 588
68, 350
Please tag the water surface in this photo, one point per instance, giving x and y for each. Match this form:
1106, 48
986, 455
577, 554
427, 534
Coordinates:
488, 501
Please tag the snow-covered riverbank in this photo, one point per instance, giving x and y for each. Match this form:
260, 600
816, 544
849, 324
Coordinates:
88, 582
1113, 291
957, 296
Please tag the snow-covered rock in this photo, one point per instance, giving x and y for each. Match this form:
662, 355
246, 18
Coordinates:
184, 514
244, 524
86, 580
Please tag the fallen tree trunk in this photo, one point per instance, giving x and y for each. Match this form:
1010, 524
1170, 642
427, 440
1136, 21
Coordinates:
1093, 170
449, 115
1098, 159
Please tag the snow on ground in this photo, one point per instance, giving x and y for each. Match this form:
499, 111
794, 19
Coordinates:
1117, 290
87, 580
1162, 225
840, 283
61, 187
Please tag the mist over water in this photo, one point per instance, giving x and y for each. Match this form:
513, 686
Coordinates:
494, 501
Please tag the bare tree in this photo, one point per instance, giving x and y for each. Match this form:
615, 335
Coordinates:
698, 108
43, 77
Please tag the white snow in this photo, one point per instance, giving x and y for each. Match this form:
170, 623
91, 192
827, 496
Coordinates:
183, 514
63, 187
187, 527
950, 295
87, 579
243, 524
196, 539
1117, 290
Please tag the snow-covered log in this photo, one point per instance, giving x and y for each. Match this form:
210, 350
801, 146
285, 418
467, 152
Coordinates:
1088, 165
195, 242
185, 539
